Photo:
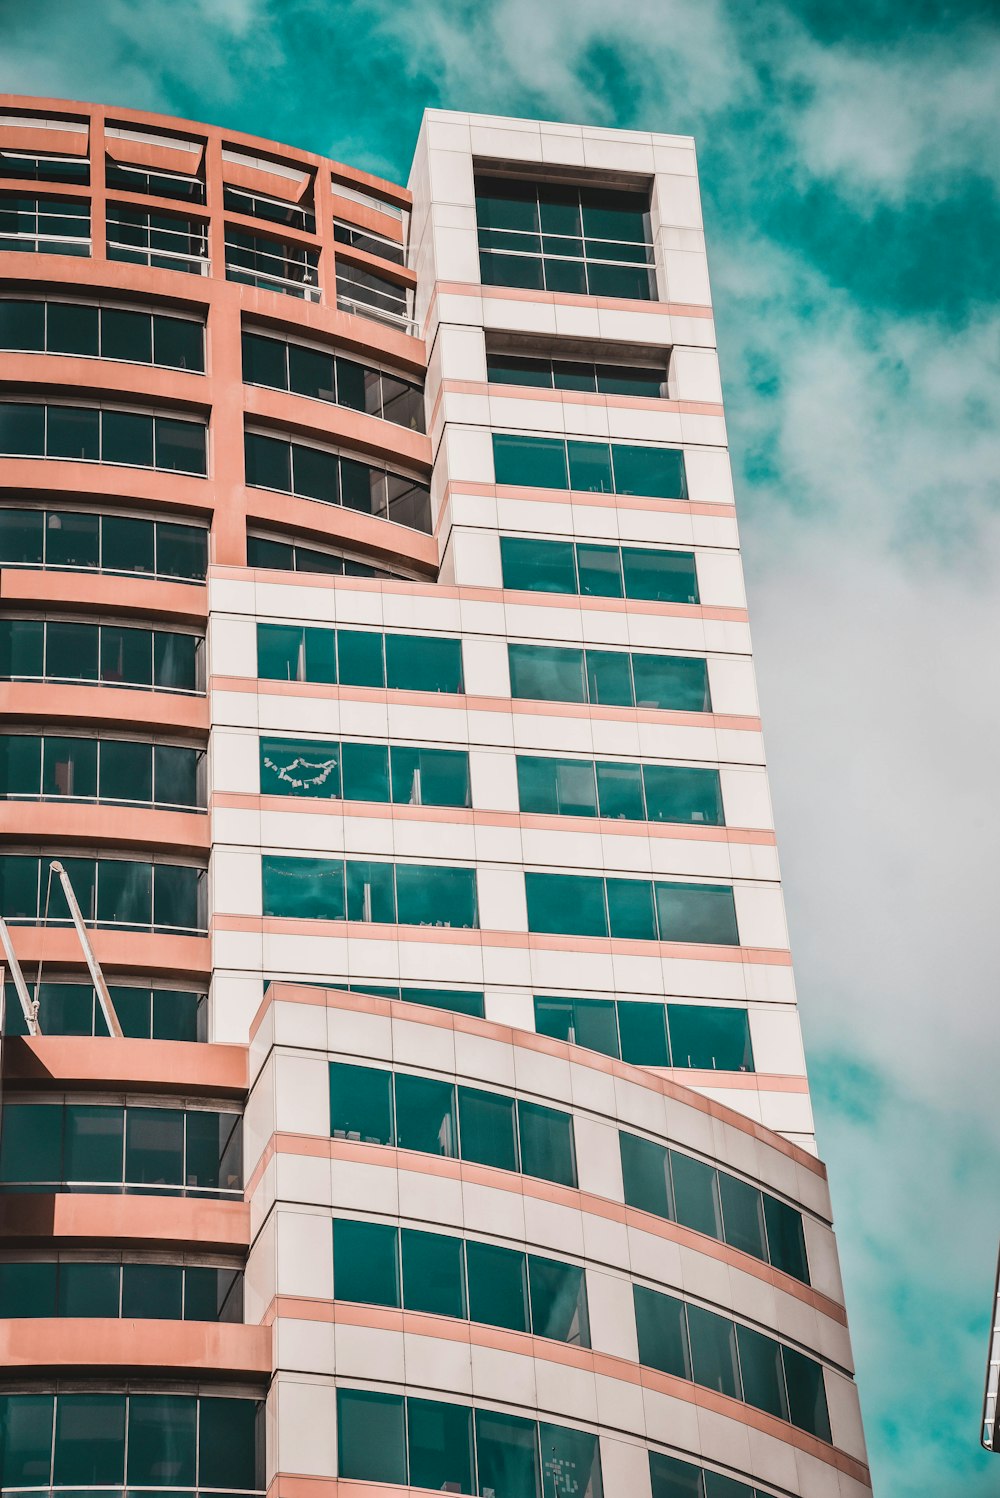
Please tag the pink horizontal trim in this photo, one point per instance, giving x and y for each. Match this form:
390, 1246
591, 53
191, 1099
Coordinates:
527, 707
122, 952
369, 534
473, 817
104, 825
654, 404
527, 1040
299, 415
68, 1343
634, 606
542, 1349
567, 299
168, 1066
118, 707
385, 1157
476, 936
96, 592
583, 498
67, 1218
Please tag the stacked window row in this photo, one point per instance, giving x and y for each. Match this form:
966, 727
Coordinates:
335, 889
379, 1265
162, 241
647, 1034
102, 332
92, 434
589, 467
433, 663
126, 892
66, 1008
451, 1448
289, 556
328, 769
284, 365
318, 473
52, 767
142, 1290
375, 1106
111, 1148
84, 541
699, 1345
119, 655
591, 241
272, 264
598, 571
647, 381
440, 1118
44, 226
86, 1440
670, 1477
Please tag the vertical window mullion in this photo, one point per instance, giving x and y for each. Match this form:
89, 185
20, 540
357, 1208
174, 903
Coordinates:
52, 1442
666, 1031
631, 670
517, 1136
45, 431
687, 1341
100, 436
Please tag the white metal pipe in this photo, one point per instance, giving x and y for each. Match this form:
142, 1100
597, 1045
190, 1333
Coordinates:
103, 996
28, 1006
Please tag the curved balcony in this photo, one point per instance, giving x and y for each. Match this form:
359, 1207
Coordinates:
72, 1346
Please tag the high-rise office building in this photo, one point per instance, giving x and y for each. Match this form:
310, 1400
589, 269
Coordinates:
375, 661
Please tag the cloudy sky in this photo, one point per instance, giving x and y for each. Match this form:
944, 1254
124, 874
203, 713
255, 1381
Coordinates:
850, 171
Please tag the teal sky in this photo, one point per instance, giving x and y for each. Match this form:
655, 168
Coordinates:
851, 179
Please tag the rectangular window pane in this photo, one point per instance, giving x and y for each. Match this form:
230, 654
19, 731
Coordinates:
69, 767
268, 462
586, 1022
609, 678
178, 343
154, 1146
662, 576
365, 1263
370, 891
311, 372
22, 648
126, 335
71, 650
213, 1156
175, 775
423, 663
25, 1290
430, 777
303, 888
127, 545
178, 897
498, 1286
566, 904
675, 683
26, 1440
507, 1455
281, 653
127, 437
537, 566
546, 1138
88, 1289
31, 1142
590, 467
558, 1301
181, 445
319, 647
92, 1143
571, 1462
230, 1443
549, 673
762, 1372
646, 1172
125, 893
21, 764
22, 429
785, 1238
713, 1351
181, 551
600, 571
564, 787
662, 1327
488, 1130
154, 1292
807, 1407
22, 536
643, 1033
360, 661
22, 326
365, 772
315, 473
162, 1444
428, 895
300, 767
697, 913
439, 1439
631, 916
742, 1216
531, 462
714, 1039
371, 1437
675, 793
433, 1273
672, 1478
696, 1194
425, 1115
90, 1439
126, 770
73, 539
73, 432
654, 471
126, 655
360, 1103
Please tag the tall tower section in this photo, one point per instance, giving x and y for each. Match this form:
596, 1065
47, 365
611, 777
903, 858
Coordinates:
374, 657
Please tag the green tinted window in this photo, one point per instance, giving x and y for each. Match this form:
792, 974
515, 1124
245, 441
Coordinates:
570, 1458
660, 576
546, 1140
307, 888
566, 904
371, 1439
27, 1290
696, 1194
360, 658
531, 462
425, 1115
498, 1286
90, 1289
654, 471
551, 673
89, 1441
26, 1439
674, 683
675, 793
22, 540
600, 571
364, 1263
742, 1216
360, 1103
631, 916
22, 326
713, 1351
590, 467
562, 787
439, 1444
697, 913
230, 1443
672, 1478
785, 1238
152, 1291
609, 678
807, 1406
423, 663
365, 772
488, 1130
507, 1455
586, 1022
709, 1038
646, 1173
538, 566
558, 1295
162, 1438
433, 1273
430, 777
429, 895
643, 1033
762, 1372
662, 1327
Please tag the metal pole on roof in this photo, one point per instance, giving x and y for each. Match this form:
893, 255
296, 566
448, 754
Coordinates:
103, 996
29, 1006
